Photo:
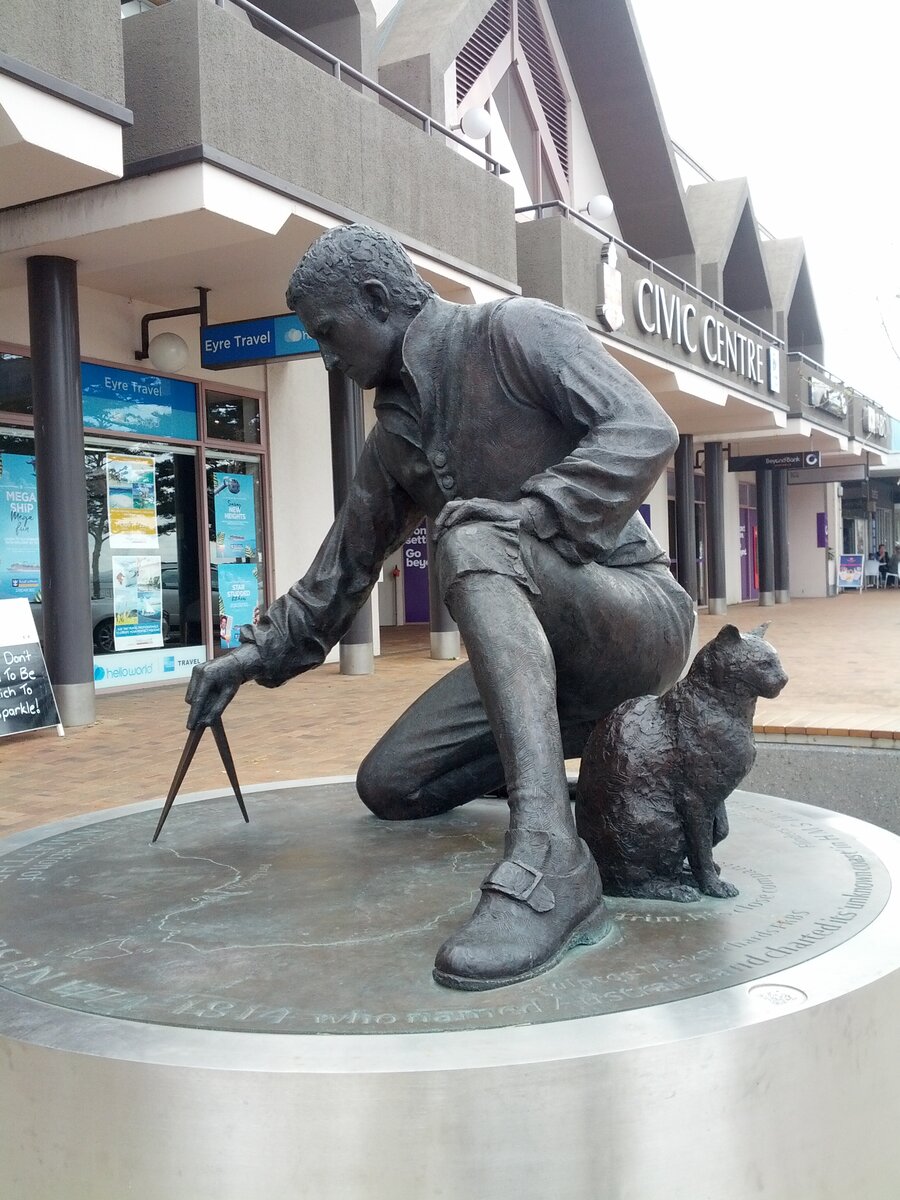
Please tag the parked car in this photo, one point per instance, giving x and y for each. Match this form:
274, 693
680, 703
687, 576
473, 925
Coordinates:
102, 613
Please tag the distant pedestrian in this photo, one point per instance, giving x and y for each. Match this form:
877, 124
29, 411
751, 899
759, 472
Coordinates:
883, 563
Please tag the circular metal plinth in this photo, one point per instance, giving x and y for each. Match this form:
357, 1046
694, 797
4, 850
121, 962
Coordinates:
765, 1023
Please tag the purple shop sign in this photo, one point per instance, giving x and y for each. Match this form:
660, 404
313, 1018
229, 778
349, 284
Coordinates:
821, 530
415, 575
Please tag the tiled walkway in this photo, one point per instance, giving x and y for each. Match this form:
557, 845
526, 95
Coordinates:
842, 655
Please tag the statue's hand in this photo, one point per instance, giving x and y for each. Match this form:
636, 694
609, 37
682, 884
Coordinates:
214, 684
459, 512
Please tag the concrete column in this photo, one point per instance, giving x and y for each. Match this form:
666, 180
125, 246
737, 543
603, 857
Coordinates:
61, 489
765, 542
685, 537
347, 440
782, 573
715, 528
444, 630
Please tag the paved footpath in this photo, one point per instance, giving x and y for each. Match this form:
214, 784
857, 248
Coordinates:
842, 656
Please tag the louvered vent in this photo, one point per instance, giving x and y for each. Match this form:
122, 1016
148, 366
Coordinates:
542, 65
476, 53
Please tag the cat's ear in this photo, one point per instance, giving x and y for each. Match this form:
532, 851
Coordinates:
760, 630
728, 633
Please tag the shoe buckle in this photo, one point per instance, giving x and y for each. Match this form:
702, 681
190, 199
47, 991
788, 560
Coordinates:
507, 877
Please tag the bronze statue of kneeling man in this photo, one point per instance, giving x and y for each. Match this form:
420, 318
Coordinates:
512, 428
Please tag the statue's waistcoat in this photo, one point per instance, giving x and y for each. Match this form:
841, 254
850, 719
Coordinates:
479, 438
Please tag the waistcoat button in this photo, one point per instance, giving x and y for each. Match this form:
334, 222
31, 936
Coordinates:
439, 458
448, 483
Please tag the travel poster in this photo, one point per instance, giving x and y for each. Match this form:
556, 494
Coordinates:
19, 558
238, 600
137, 601
235, 514
131, 498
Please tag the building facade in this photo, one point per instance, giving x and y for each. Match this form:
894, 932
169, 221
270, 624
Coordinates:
163, 168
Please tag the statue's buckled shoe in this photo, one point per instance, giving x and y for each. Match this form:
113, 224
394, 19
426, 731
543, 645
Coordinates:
525, 921
522, 882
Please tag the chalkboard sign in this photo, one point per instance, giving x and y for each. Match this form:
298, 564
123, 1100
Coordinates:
26, 697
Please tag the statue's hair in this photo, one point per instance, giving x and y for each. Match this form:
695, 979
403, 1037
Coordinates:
351, 254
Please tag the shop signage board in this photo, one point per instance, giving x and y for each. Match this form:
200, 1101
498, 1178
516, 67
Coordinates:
26, 695
137, 403
801, 461
146, 666
845, 474
19, 551
687, 327
850, 572
674, 318
257, 340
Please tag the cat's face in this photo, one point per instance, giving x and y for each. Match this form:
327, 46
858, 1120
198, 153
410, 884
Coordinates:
751, 661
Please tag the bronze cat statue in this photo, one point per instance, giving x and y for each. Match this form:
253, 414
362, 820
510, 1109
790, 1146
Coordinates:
656, 771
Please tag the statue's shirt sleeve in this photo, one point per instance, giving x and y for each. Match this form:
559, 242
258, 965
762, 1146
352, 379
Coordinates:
299, 628
548, 357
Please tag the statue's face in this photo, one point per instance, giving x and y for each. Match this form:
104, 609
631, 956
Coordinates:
359, 334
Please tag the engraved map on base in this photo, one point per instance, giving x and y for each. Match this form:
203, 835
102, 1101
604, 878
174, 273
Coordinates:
318, 918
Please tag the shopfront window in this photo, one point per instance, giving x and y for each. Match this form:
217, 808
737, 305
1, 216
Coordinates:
232, 418
143, 544
236, 558
19, 547
15, 384
173, 573
142, 535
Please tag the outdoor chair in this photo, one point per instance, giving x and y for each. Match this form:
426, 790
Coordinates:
872, 574
892, 578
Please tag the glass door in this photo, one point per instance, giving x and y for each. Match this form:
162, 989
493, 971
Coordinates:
236, 545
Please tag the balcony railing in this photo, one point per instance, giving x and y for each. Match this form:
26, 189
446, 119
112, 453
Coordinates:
539, 210
827, 376
342, 70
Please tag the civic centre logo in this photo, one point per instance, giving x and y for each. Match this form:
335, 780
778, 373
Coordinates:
610, 311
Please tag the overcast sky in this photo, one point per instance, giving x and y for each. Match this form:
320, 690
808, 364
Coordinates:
801, 97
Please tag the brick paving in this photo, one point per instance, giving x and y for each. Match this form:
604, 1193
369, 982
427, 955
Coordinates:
842, 655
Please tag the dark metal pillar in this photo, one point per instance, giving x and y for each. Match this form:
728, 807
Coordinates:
444, 630
685, 536
61, 489
782, 577
715, 528
765, 549
347, 439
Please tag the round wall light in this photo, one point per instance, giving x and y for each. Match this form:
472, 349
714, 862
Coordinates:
168, 352
599, 207
476, 124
